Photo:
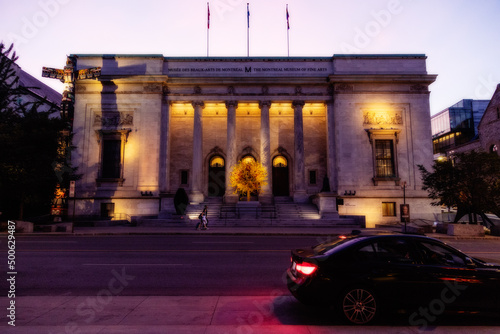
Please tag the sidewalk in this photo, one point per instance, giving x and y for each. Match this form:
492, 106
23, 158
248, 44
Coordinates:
187, 229
190, 314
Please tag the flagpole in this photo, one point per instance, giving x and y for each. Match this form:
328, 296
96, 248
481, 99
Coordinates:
208, 27
287, 31
248, 30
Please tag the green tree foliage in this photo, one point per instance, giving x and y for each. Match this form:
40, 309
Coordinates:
470, 182
31, 160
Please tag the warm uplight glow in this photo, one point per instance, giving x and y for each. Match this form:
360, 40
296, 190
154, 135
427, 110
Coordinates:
314, 109
182, 109
306, 268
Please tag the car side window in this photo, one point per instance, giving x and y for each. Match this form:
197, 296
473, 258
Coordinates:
435, 254
391, 251
394, 251
366, 253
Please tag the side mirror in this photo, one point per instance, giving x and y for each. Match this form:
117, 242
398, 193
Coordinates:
470, 263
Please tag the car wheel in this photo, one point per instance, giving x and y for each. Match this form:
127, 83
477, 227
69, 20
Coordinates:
358, 306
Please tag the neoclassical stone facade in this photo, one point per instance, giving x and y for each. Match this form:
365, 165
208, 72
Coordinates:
348, 127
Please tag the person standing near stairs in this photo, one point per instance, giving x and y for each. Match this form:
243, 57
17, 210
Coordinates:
203, 219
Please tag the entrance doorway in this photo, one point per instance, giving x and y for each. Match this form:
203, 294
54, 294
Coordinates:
280, 176
216, 177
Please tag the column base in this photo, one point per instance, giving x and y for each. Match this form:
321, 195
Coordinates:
327, 205
196, 197
300, 197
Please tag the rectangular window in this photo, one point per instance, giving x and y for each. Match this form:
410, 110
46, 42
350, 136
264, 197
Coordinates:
384, 155
111, 158
312, 177
388, 209
107, 210
184, 177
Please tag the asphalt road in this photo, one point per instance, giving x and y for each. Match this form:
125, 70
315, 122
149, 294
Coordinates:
169, 265
180, 265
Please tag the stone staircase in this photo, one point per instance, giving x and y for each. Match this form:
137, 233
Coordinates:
284, 212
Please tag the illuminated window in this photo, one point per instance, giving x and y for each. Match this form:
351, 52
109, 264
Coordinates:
217, 161
388, 209
280, 161
493, 148
384, 156
248, 158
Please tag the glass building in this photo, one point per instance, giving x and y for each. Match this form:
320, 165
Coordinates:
456, 125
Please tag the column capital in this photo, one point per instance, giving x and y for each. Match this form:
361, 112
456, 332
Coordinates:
265, 103
198, 104
298, 103
231, 103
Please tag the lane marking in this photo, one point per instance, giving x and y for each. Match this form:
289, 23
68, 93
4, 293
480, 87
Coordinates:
153, 250
223, 242
136, 264
46, 242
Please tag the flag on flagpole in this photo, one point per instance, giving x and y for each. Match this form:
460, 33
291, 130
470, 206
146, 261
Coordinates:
248, 15
208, 18
287, 18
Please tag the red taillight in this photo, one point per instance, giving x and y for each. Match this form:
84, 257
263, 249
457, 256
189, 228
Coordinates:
306, 268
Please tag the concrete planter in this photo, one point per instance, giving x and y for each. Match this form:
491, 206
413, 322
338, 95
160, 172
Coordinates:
465, 230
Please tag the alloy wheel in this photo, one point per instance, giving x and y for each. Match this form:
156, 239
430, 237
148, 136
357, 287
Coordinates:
359, 306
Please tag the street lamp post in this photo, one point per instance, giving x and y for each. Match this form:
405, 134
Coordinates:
403, 214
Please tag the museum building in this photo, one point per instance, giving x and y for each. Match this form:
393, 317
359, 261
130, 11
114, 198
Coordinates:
345, 133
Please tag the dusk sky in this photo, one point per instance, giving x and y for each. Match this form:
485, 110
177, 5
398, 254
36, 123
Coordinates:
459, 37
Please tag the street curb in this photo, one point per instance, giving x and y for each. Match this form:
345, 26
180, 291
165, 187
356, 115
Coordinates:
249, 231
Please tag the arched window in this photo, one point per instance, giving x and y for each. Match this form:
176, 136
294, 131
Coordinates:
217, 161
248, 158
280, 161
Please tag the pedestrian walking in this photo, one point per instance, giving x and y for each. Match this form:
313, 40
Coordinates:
203, 223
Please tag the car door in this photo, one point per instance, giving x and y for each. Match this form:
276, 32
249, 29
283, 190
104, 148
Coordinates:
454, 281
393, 268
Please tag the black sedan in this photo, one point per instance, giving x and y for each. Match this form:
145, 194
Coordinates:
361, 275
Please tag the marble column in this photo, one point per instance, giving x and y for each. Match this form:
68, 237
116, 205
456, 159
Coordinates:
299, 194
330, 147
266, 195
229, 196
327, 198
196, 195
164, 180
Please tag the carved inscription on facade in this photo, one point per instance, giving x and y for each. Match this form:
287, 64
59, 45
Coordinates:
380, 117
110, 120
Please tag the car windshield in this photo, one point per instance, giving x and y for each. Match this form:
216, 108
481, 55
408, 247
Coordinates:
329, 245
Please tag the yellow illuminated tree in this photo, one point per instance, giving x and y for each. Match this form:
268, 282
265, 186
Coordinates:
248, 176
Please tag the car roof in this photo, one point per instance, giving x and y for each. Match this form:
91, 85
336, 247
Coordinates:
367, 236
356, 238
